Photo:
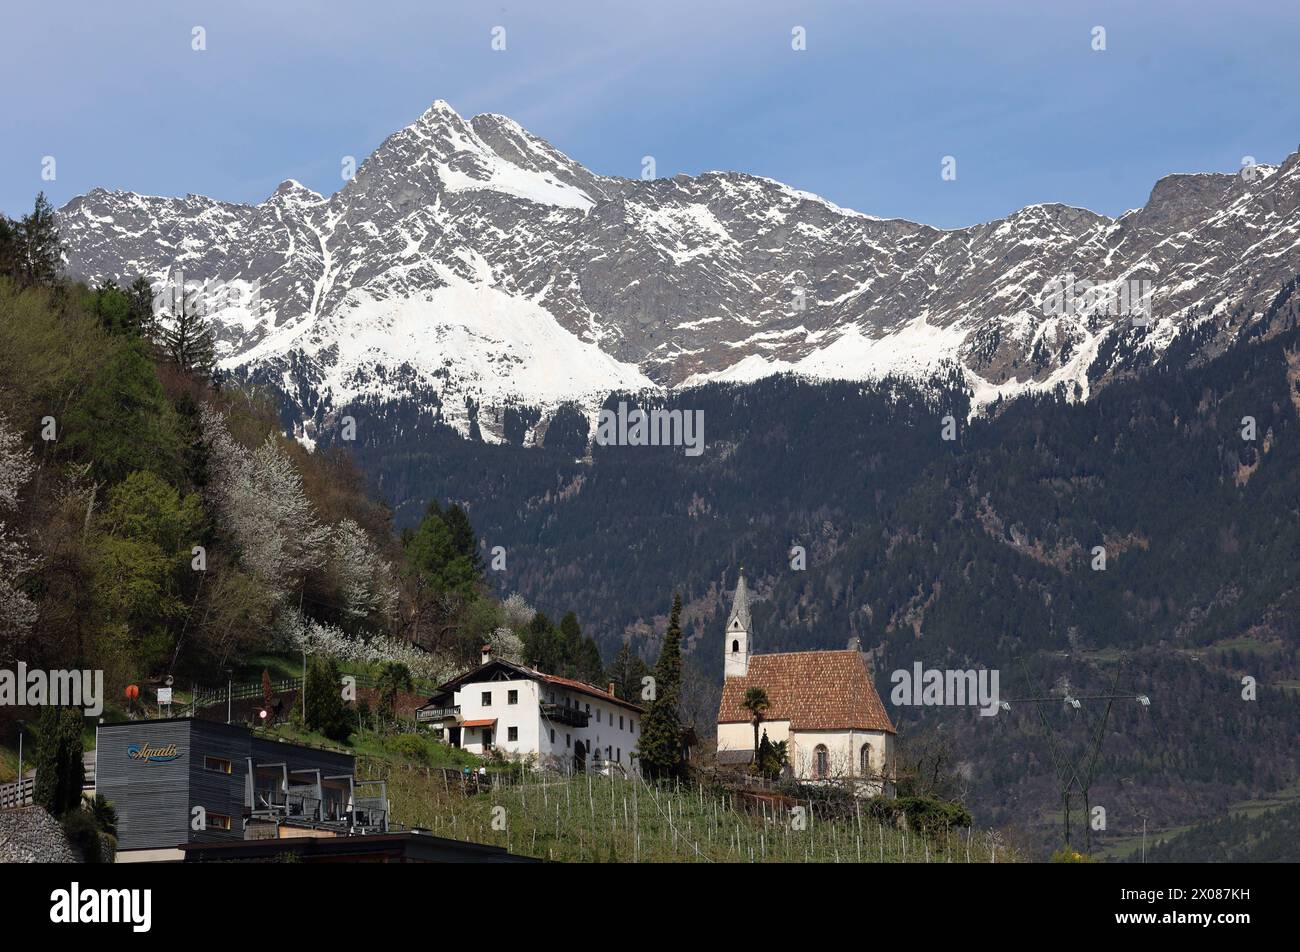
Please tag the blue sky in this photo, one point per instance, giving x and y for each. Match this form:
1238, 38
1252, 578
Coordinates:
863, 117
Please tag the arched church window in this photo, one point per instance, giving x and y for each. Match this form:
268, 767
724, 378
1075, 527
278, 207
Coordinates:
735, 647
864, 760
821, 762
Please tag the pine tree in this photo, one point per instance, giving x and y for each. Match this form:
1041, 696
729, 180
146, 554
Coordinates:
463, 538
9, 249
188, 341
660, 748
142, 306
434, 552
590, 666
626, 672
40, 247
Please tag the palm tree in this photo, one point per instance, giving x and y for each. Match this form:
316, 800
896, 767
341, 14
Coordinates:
757, 704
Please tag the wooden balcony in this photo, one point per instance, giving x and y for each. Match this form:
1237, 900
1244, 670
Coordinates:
565, 715
430, 715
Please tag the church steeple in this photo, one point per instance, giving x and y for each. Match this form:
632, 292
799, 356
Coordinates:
736, 642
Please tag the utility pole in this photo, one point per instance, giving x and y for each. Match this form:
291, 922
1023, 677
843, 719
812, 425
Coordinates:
230, 693
304, 688
1067, 772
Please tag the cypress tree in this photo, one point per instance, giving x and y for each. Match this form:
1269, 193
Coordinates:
60, 770
660, 748
325, 710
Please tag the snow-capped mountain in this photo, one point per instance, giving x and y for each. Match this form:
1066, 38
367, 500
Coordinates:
472, 260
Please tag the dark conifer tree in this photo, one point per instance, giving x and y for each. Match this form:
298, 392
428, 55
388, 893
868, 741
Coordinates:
660, 748
9, 249
141, 306
188, 341
60, 770
40, 247
462, 536
626, 672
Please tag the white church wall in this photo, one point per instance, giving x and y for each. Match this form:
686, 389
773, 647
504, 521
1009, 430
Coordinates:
741, 736
843, 750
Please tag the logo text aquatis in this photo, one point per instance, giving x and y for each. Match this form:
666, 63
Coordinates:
153, 755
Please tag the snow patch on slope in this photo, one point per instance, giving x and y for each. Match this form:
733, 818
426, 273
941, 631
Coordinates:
465, 338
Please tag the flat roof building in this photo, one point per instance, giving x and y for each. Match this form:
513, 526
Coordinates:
184, 781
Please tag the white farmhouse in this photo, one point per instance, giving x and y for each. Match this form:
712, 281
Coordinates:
823, 704
523, 712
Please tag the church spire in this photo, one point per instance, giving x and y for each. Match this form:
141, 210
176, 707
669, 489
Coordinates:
736, 645
740, 604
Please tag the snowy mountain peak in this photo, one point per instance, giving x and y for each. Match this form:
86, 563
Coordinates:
294, 191
473, 264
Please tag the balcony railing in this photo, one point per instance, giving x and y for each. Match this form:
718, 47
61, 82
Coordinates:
565, 715
425, 715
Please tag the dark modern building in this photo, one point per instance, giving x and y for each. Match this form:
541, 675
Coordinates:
183, 781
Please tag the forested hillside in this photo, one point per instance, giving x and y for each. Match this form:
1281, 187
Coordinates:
982, 550
153, 523
1265, 837
1142, 543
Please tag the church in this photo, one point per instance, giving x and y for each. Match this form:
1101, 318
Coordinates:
823, 704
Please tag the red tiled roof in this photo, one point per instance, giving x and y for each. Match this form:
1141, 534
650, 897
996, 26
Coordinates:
480, 722
586, 688
469, 677
813, 690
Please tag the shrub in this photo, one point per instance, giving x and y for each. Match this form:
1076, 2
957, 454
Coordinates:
83, 835
1068, 854
411, 746
929, 815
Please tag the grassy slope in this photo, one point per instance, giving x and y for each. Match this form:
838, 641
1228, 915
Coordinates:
591, 818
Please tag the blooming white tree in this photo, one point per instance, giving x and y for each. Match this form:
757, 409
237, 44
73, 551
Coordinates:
364, 579
17, 611
320, 640
259, 498
518, 613
507, 646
